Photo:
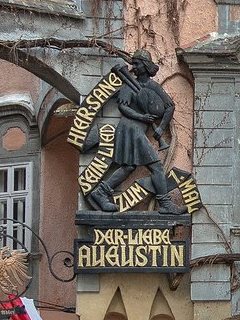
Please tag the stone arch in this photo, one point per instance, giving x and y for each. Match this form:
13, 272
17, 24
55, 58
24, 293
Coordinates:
62, 91
24, 59
52, 100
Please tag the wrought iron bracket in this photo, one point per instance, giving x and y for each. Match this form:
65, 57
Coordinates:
67, 261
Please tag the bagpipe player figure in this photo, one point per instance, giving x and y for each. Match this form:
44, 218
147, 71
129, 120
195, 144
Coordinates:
141, 102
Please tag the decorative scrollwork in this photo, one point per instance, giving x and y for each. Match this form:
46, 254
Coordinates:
13, 292
67, 260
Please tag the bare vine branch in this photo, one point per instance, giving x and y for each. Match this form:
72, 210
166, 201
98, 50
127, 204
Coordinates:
59, 44
227, 258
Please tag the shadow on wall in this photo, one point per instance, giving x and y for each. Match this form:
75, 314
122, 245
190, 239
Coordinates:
119, 316
160, 309
115, 316
162, 317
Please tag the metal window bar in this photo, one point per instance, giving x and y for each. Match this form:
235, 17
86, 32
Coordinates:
15, 202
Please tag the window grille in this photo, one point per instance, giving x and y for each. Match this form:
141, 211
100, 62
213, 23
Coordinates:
15, 203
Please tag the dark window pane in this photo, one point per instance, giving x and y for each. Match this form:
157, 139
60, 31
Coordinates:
18, 234
3, 180
19, 209
3, 211
15, 210
19, 179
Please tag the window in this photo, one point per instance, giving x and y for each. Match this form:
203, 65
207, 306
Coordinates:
15, 203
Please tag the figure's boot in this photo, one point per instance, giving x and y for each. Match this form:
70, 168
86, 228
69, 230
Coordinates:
101, 195
167, 206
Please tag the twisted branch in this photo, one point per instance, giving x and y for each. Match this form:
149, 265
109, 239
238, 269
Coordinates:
59, 44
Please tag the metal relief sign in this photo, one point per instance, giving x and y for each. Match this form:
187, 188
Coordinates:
131, 250
84, 135
119, 239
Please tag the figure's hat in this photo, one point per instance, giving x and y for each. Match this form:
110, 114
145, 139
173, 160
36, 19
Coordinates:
142, 55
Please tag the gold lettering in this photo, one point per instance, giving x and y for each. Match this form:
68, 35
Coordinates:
137, 189
140, 236
191, 196
93, 169
81, 134
94, 104
132, 202
107, 128
84, 254
127, 262
99, 165
131, 239
119, 237
86, 114
173, 174
153, 251
165, 256
191, 208
187, 185
106, 137
76, 137
109, 236
90, 176
136, 197
147, 236
165, 236
98, 93
114, 80
98, 261
176, 254
112, 256
108, 154
105, 86
129, 198
106, 144
99, 236
157, 236
141, 259
121, 202
84, 185
81, 124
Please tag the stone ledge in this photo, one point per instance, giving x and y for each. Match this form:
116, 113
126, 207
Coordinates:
65, 7
138, 219
235, 2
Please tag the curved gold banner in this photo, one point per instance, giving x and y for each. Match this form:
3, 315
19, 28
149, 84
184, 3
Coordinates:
92, 104
99, 165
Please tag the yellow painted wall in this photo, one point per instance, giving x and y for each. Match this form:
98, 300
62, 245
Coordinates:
140, 296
